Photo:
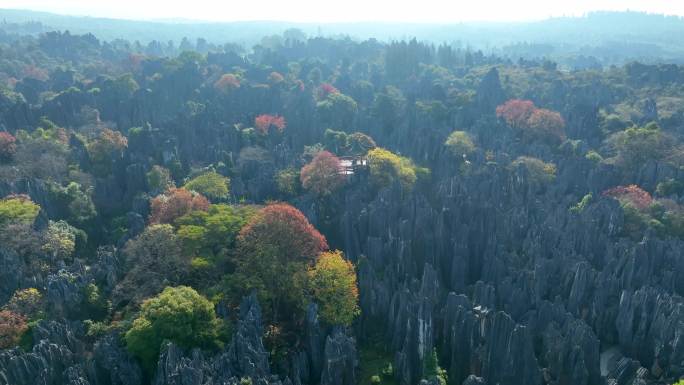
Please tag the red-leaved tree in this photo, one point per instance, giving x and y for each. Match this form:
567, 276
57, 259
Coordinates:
227, 82
275, 250
326, 89
285, 231
174, 203
533, 123
632, 194
8, 146
322, 175
265, 122
515, 112
546, 124
12, 327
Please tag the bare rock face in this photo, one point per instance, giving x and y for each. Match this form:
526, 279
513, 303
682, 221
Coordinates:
113, 365
340, 360
246, 351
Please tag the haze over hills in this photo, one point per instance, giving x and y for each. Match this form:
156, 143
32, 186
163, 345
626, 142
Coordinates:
280, 203
610, 37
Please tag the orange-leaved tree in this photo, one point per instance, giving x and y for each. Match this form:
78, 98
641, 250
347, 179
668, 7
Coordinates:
174, 203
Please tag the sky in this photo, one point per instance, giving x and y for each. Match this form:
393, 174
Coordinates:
431, 11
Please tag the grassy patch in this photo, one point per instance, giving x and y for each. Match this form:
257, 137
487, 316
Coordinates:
376, 361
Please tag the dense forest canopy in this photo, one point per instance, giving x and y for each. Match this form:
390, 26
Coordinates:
179, 209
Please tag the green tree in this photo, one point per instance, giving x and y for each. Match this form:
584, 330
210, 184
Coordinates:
212, 232
636, 145
333, 284
460, 144
287, 181
387, 167
539, 171
159, 179
17, 209
337, 110
211, 184
154, 260
178, 314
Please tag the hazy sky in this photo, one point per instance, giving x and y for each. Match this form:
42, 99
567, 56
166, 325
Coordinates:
343, 10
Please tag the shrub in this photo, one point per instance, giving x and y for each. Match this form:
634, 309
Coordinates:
75, 201
17, 209
333, 284
178, 314
539, 171
582, 204
323, 175
433, 370
287, 181
174, 203
108, 144
211, 184
669, 187
8, 146
460, 144
60, 240
12, 327
593, 156
27, 302
159, 179
94, 305
631, 194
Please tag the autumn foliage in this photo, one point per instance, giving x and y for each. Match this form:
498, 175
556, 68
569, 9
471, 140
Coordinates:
333, 284
326, 89
264, 123
322, 175
631, 194
515, 112
534, 123
12, 327
174, 203
283, 230
275, 250
227, 82
8, 146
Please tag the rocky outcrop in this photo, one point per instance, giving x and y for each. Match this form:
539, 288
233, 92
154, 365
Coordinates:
340, 361
246, 351
521, 289
112, 364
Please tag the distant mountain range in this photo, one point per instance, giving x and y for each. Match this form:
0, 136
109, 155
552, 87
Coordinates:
610, 36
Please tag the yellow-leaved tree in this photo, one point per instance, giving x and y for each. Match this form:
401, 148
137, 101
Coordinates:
333, 285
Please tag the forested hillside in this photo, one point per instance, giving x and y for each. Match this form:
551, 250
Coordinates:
327, 211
